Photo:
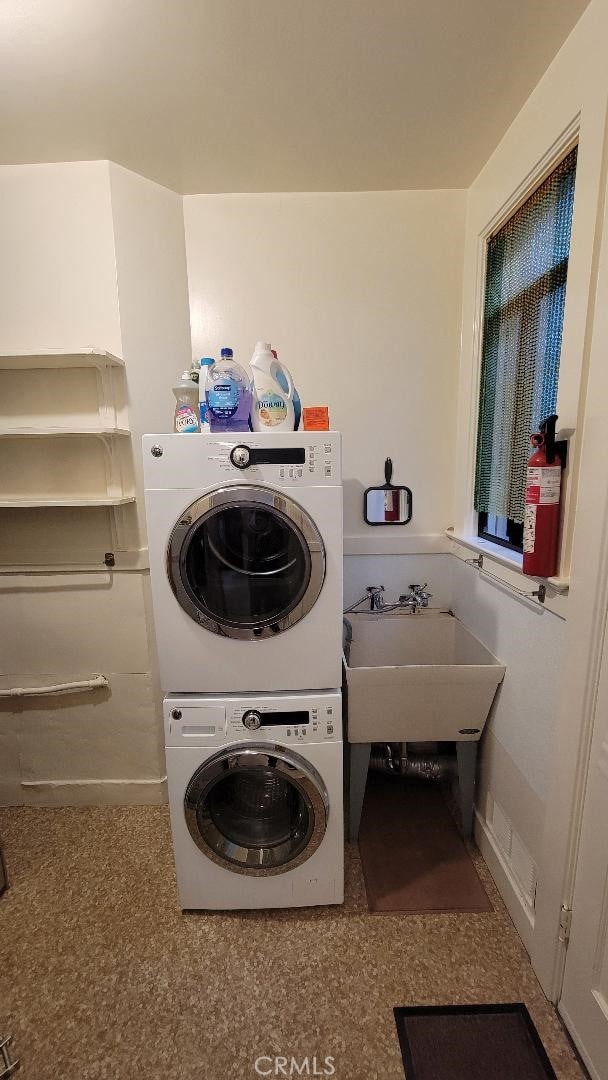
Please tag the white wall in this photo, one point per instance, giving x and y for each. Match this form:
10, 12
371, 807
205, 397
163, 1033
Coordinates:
361, 294
546, 658
57, 266
152, 301
91, 255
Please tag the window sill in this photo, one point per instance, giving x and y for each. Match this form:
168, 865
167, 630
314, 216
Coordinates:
511, 560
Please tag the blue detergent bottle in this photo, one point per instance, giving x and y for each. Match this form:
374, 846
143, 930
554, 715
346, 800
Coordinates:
297, 404
228, 394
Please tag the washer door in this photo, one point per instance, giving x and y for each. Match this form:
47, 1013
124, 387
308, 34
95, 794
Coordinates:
257, 809
246, 562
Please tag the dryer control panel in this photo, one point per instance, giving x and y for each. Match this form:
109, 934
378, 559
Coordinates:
295, 458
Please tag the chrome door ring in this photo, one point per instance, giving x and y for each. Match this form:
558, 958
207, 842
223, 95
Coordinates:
258, 862
251, 495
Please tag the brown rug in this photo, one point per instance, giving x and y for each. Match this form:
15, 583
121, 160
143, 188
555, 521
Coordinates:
476, 1042
414, 859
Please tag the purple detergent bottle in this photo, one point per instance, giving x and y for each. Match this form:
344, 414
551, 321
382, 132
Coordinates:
228, 394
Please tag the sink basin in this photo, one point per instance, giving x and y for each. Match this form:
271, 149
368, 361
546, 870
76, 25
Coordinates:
417, 678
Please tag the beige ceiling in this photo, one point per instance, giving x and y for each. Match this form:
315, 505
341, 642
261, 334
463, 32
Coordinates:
273, 95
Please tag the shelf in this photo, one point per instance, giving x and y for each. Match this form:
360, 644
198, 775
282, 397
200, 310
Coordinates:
50, 432
34, 501
79, 440
56, 358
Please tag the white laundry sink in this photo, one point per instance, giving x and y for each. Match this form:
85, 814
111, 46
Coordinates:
417, 678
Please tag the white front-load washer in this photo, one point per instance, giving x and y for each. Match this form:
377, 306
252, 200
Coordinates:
245, 541
255, 796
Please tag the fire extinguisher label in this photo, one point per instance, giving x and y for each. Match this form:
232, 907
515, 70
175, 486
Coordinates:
529, 528
543, 486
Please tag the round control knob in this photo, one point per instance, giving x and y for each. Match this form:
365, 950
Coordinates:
252, 720
176, 714
240, 457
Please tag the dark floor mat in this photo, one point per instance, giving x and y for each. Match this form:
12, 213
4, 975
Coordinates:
471, 1042
413, 857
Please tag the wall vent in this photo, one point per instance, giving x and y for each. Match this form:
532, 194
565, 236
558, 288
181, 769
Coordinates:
513, 850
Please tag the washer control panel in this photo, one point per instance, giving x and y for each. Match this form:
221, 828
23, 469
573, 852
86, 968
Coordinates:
315, 723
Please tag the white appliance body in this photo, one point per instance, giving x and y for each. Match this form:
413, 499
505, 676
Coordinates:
256, 812
246, 560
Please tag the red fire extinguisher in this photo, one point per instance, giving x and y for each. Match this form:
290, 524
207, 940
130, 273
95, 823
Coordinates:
542, 514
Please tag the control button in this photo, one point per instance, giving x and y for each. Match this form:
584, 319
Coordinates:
328, 470
330, 710
176, 714
240, 457
252, 720
300, 470
289, 732
328, 448
330, 729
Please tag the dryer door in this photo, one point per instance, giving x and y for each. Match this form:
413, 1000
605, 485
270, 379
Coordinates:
246, 562
257, 809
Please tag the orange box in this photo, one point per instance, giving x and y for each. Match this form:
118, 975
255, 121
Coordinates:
316, 418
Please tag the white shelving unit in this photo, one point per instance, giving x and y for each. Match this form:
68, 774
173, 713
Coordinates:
76, 500
51, 464
48, 432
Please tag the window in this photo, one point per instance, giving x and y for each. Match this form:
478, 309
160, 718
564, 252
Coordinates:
526, 268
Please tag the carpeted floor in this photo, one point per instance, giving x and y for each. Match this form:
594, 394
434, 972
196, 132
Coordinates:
102, 976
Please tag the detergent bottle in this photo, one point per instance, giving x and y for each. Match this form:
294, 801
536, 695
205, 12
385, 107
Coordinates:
272, 406
297, 404
228, 394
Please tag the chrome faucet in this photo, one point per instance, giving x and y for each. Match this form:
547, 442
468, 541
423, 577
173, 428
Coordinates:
376, 597
417, 598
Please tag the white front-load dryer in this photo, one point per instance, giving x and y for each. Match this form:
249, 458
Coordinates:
245, 542
256, 799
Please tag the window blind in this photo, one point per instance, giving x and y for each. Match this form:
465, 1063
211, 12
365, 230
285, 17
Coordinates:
527, 263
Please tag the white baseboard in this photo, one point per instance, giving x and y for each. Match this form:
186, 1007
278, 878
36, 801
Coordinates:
94, 792
515, 901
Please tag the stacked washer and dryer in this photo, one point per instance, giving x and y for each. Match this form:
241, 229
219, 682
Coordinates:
245, 540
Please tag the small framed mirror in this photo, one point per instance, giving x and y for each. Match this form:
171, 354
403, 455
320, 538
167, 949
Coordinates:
390, 504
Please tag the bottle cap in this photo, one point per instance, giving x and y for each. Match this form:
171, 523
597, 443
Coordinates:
206, 361
227, 352
263, 346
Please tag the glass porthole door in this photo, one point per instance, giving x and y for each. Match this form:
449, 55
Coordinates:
257, 809
246, 562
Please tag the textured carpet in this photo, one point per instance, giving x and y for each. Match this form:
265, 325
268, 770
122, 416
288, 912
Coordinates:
103, 978
413, 857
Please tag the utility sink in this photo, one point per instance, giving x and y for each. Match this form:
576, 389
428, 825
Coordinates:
417, 678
